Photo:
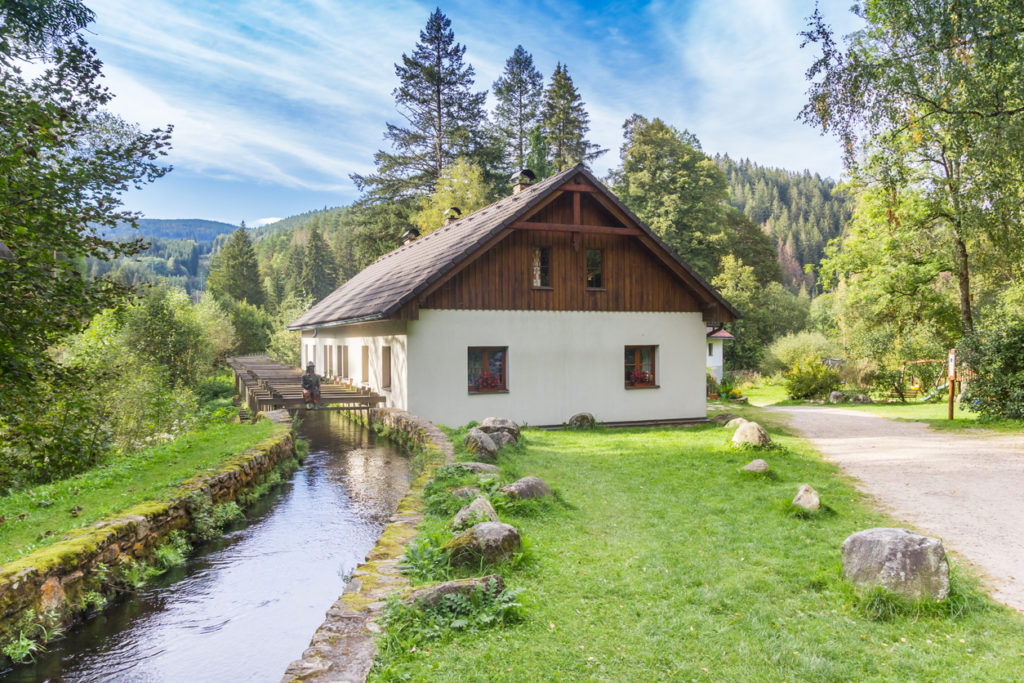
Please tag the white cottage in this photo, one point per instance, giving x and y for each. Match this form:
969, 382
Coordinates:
716, 351
553, 301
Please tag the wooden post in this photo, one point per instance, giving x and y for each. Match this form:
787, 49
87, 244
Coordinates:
952, 379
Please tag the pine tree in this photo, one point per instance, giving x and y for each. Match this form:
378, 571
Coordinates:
446, 119
319, 277
518, 93
566, 122
235, 273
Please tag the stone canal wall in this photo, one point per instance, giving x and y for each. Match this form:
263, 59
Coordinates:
53, 581
344, 646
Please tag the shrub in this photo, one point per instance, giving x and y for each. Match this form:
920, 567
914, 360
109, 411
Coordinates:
425, 559
859, 372
810, 378
785, 352
996, 355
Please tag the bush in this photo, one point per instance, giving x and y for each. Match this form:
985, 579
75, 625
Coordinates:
996, 355
859, 372
810, 378
785, 352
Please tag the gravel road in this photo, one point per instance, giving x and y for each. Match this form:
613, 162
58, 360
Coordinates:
967, 489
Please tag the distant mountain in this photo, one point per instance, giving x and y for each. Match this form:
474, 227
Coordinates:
196, 229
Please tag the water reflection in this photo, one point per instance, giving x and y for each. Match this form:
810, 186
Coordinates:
246, 605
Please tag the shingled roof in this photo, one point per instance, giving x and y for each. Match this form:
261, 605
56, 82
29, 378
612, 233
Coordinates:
396, 278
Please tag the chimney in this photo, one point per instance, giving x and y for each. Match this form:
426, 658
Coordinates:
522, 180
453, 214
409, 236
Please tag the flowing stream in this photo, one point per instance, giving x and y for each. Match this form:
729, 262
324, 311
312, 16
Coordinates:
246, 605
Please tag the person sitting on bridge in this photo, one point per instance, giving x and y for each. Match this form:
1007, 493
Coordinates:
311, 387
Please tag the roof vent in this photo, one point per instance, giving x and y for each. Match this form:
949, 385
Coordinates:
453, 214
409, 236
522, 179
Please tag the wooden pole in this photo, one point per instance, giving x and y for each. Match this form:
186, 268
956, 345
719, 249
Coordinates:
952, 379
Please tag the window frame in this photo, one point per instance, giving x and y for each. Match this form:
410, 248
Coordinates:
385, 367
540, 267
588, 275
629, 368
474, 388
365, 372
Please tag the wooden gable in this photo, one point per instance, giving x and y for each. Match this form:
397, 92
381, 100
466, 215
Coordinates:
637, 273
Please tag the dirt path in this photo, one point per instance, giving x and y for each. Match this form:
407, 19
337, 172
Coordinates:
967, 490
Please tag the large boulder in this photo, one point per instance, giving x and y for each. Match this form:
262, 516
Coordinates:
582, 421
807, 498
736, 422
502, 439
480, 510
756, 466
492, 425
861, 398
433, 595
837, 397
487, 542
753, 434
724, 418
467, 492
527, 487
481, 444
478, 467
898, 560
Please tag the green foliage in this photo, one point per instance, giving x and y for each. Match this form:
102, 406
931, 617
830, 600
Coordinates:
461, 185
33, 632
996, 355
173, 552
234, 272
252, 326
437, 497
787, 350
425, 559
208, 519
810, 378
161, 327
964, 600
319, 275
518, 94
134, 573
565, 122
409, 628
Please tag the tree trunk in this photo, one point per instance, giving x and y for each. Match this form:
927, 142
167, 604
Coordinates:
963, 274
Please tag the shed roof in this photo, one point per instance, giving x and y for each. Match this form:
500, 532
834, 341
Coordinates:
395, 279
719, 333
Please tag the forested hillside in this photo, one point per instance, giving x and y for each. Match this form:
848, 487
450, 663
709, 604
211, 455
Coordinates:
800, 211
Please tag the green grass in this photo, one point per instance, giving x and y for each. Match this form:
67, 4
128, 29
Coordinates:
149, 475
765, 394
668, 563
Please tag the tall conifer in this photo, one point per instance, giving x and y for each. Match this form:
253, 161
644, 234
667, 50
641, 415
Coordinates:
319, 277
566, 122
235, 273
519, 93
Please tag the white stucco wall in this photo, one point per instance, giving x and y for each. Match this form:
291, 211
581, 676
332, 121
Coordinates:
375, 336
716, 362
559, 363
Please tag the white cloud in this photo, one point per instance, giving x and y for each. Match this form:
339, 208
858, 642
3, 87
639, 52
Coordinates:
260, 222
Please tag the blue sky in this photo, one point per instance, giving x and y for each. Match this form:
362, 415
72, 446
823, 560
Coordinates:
275, 103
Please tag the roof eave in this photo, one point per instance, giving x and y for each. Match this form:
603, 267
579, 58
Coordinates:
335, 323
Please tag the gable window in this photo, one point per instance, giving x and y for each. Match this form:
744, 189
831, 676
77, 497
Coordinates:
541, 268
488, 369
385, 367
594, 278
639, 366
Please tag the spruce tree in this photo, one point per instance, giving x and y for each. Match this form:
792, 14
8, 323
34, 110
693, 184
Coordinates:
446, 119
519, 94
235, 273
566, 122
319, 277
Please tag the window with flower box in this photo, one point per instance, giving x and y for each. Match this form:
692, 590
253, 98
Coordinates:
639, 366
488, 369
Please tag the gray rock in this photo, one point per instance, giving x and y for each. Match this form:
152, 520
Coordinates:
433, 595
861, 398
724, 418
740, 399
756, 466
837, 397
502, 439
527, 487
752, 433
489, 542
736, 422
500, 424
582, 421
467, 492
807, 498
898, 560
480, 510
481, 444
478, 467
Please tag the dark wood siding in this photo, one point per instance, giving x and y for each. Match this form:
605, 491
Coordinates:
500, 279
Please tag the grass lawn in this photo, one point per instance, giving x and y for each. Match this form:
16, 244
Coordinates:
36, 517
668, 563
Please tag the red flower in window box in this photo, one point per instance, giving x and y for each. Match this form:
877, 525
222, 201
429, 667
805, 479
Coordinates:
488, 382
639, 377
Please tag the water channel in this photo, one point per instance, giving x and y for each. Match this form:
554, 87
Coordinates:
246, 605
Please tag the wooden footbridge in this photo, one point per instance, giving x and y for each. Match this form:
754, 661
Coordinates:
264, 384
